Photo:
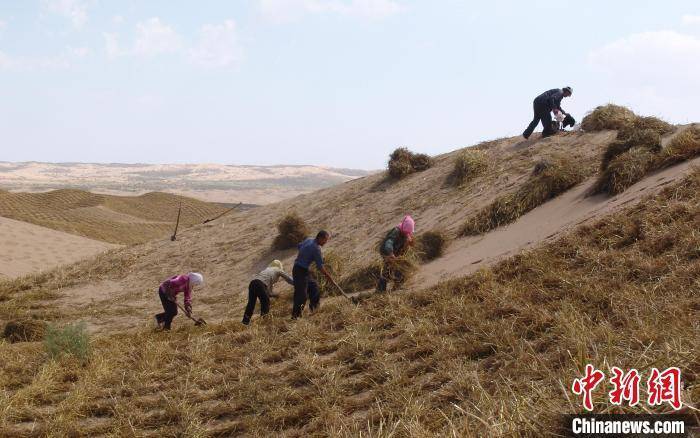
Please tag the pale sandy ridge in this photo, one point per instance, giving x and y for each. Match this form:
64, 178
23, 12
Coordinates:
26, 248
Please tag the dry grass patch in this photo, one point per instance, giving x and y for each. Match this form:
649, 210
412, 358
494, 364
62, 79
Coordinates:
468, 165
291, 231
648, 139
684, 146
629, 160
608, 116
549, 179
403, 162
24, 330
623, 171
431, 245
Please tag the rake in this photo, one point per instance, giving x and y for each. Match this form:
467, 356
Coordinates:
197, 321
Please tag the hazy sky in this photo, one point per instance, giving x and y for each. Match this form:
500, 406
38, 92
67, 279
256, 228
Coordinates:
331, 82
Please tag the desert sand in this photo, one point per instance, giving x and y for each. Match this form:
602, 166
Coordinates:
26, 248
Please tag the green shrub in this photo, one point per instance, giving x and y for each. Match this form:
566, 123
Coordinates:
71, 340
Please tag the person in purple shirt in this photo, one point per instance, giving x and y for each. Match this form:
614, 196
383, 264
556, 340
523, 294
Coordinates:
167, 292
305, 287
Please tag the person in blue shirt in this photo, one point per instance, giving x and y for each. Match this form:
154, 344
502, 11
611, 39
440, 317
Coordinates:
306, 287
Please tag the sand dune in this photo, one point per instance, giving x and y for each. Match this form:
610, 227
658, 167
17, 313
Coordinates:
26, 248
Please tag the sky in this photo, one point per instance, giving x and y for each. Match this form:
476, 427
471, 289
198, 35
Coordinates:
326, 82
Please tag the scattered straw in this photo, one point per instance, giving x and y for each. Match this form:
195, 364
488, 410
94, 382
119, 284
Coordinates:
468, 165
25, 330
623, 171
431, 245
292, 230
547, 181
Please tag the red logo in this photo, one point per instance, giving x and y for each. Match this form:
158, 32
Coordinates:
662, 387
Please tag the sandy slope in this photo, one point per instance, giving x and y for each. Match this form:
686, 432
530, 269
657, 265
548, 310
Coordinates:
26, 248
230, 251
546, 222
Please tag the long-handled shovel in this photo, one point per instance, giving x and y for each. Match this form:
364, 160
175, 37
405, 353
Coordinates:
197, 321
342, 291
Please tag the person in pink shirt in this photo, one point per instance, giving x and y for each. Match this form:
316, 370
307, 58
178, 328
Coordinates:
168, 291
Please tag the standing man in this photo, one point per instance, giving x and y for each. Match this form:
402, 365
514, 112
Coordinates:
306, 287
544, 104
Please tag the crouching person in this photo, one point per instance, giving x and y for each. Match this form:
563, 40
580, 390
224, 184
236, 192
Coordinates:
260, 288
168, 291
394, 245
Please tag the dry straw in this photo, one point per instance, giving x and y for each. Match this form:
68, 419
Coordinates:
24, 330
431, 245
403, 162
549, 179
623, 171
291, 231
468, 165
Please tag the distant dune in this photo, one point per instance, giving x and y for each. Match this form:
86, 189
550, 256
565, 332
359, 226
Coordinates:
208, 182
113, 219
28, 248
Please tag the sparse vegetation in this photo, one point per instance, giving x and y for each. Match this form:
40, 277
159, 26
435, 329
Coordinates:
468, 165
447, 361
684, 146
363, 278
431, 245
623, 171
548, 180
640, 153
403, 162
291, 231
24, 330
608, 117
648, 139
72, 340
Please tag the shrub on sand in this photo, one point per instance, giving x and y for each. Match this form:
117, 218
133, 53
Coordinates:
655, 124
72, 340
403, 162
608, 117
24, 330
547, 181
648, 139
291, 231
684, 146
468, 165
421, 162
431, 245
623, 171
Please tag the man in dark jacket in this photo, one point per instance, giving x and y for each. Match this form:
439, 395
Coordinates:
544, 105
